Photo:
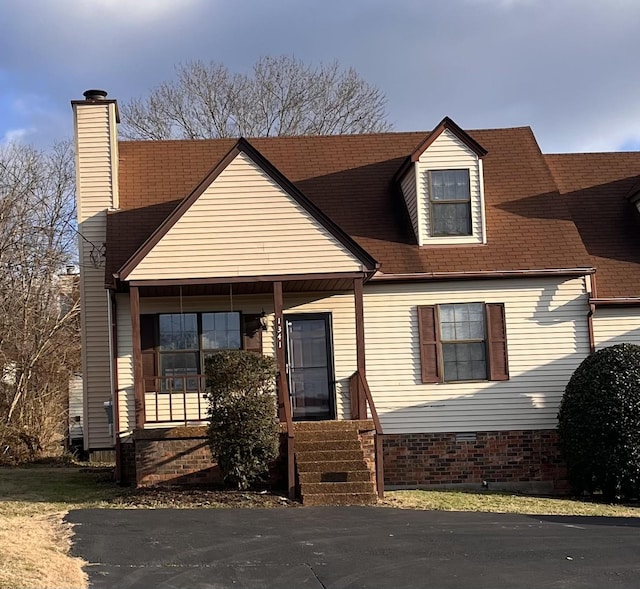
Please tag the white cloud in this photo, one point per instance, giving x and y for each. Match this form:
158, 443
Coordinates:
504, 4
126, 10
16, 135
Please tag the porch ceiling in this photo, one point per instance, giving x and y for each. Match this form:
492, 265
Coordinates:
247, 288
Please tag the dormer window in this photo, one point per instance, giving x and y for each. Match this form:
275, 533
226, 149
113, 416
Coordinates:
442, 183
450, 197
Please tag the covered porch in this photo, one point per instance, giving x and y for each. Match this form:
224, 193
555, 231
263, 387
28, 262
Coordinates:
313, 324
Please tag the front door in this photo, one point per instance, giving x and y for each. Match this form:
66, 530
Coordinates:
310, 366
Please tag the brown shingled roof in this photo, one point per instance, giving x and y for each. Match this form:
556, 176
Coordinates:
595, 186
349, 178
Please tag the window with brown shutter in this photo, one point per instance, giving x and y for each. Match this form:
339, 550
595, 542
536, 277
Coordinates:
428, 329
176, 344
252, 333
497, 342
148, 338
463, 342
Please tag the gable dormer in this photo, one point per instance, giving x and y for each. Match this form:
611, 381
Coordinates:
443, 187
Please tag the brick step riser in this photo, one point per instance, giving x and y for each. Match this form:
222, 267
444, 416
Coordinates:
326, 488
333, 455
341, 499
328, 435
327, 445
354, 476
331, 466
305, 426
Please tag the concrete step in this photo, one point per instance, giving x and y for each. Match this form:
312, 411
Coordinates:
347, 476
331, 466
326, 445
333, 455
346, 424
340, 499
326, 488
313, 435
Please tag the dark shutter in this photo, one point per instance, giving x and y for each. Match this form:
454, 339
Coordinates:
429, 339
252, 333
497, 342
148, 342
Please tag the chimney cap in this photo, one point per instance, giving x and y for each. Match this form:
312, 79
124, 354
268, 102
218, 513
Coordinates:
95, 94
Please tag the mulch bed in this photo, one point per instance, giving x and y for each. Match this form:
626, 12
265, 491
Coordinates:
170, 497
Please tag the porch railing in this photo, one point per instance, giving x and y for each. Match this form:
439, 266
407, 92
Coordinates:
175, 399
361, 399
180, 399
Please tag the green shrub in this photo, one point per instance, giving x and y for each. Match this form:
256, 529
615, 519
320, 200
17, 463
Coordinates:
243, 426
599, 423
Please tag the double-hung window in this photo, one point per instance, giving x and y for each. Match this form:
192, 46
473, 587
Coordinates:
185, 340
463, 342
450, 199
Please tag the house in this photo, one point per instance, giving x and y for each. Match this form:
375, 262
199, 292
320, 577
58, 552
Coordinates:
427, 295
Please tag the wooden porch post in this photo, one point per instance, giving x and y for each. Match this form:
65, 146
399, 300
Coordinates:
283, 392
138, 378
360, 410
363, 392
284, 404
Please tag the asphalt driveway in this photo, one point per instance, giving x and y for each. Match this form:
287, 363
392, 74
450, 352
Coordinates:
344, 547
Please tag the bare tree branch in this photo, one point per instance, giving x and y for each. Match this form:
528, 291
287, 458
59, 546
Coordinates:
281, 96
39, 329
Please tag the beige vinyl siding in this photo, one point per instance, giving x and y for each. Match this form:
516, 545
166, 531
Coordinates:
408, 185
244, 224
617, 325
95, 138
447, 152
547, 335
126, 396
341, 307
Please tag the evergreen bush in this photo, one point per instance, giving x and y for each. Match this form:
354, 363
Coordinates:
599, 423
243, 430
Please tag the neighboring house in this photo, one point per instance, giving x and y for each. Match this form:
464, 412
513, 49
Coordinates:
76, 410
445, 281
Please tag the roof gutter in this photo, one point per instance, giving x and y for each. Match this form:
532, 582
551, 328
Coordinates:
616, 302
485, 274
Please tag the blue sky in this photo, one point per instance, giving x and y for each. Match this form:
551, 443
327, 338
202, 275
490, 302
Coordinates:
567, 68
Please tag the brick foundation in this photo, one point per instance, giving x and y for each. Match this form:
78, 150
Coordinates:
127, 463
527, 459
176, 456
367, 443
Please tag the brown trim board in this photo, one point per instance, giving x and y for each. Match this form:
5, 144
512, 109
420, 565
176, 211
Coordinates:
445, 123
461, 134
248, 279
243, 146
615, 302
359, 317
489, 274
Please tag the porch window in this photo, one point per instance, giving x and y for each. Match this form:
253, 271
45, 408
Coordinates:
221, 331
184, 339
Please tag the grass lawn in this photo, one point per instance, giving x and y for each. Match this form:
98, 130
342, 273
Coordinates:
35, 542
503, 503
